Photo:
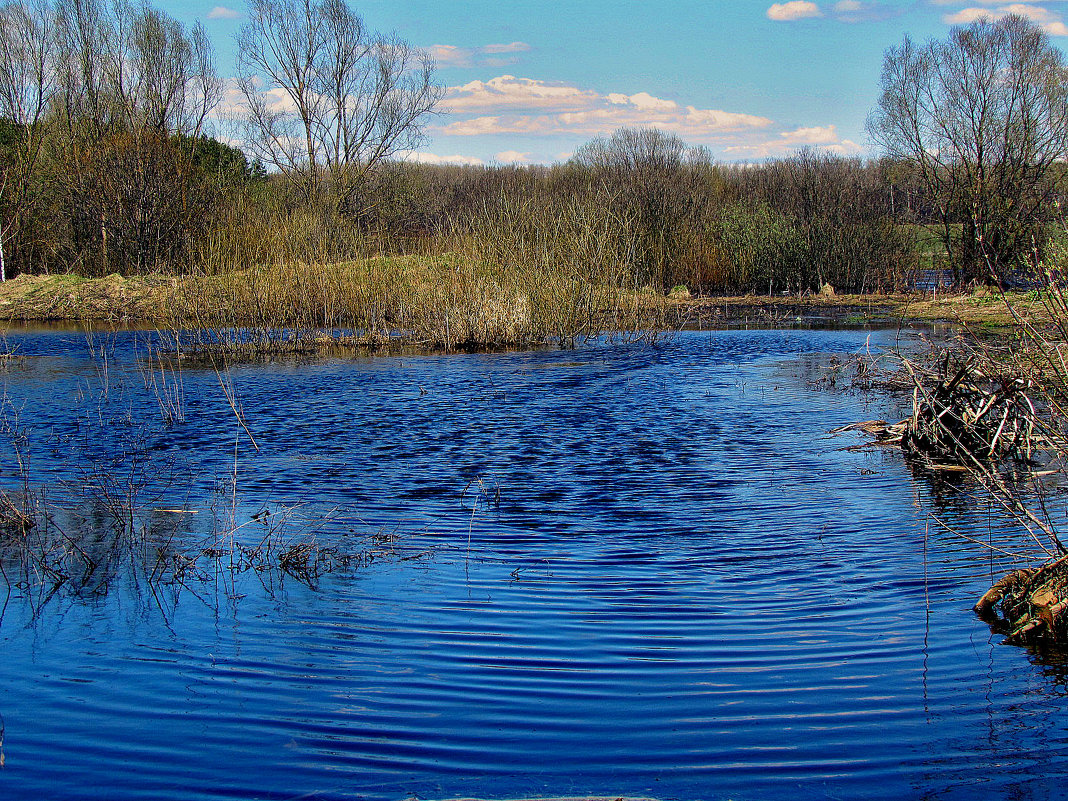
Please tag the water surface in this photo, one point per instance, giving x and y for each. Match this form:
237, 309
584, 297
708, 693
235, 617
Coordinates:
619, 570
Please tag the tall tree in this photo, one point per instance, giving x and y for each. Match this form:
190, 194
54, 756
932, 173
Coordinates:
27, 87
131, 80
327, 99
654, 179
983, 116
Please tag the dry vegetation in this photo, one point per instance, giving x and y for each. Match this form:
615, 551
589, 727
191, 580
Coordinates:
994, 412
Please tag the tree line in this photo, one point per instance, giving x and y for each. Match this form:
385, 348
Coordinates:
107, 163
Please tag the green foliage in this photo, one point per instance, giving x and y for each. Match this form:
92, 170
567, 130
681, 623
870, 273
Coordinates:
219, 161
12, 135
758, 250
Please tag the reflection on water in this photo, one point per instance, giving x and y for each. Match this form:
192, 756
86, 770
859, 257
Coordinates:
663, 579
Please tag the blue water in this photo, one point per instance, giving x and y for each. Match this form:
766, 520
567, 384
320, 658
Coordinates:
615, 570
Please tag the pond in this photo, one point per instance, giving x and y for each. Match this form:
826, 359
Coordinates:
615, 570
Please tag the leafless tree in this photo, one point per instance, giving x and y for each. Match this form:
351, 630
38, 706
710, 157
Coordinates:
984, 118
636, 149
27, 86
166, 78
133, 67
133, 82
327, 99
667, 190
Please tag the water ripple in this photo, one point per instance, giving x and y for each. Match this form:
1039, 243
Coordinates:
641, 571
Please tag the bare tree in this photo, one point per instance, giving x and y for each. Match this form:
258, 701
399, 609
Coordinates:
667, 190
166, 79
634, 149
133, 67
984, 118
27, 86
133, 82
327, 99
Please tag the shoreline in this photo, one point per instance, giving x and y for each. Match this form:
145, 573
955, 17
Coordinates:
151, 301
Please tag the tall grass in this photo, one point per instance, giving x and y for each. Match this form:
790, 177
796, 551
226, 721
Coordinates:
518, 272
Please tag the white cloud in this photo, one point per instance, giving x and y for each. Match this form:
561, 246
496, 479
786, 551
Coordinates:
510, 92
513, 157
693, 124
507, 106
788, 142
487, 55
450, 55
511, 47
646, 102
842, 11
1051, 22
222, 12
511, 105
232, 101
984, 2
795, 9
818, 135
432, 158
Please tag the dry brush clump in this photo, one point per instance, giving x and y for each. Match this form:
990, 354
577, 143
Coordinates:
995, 411
514, 277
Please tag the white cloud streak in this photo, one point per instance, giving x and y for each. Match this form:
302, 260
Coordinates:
222, 12
1050, 21
432, 158
511, 105
793, 10
493, 55
510, 92
513, 157
824, 138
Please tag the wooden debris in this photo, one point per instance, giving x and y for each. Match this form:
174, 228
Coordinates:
1028, 605
964, 416
884, 433
1006, 584
970, 416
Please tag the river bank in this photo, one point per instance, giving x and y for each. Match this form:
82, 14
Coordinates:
158, 299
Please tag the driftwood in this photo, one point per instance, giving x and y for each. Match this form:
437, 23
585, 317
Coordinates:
884, 433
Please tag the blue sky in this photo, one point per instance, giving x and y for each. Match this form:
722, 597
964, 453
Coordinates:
529, 82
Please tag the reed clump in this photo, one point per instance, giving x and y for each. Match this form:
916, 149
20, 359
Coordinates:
448, 302
110, 519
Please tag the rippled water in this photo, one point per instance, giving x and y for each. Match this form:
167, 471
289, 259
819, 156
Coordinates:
670, 582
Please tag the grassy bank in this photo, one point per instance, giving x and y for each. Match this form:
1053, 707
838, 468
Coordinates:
438, 302
449, 302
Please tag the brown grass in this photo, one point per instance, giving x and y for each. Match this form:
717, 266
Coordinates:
445, 301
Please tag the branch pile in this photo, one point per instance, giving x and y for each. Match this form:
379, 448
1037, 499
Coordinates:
971, 415
974, 416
